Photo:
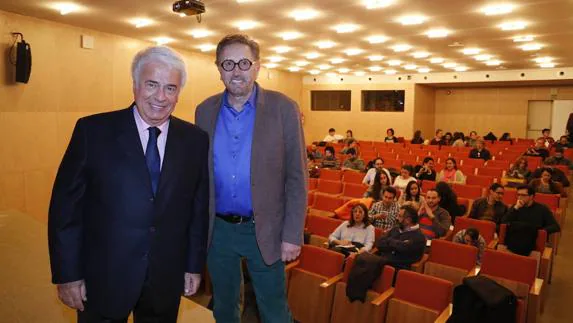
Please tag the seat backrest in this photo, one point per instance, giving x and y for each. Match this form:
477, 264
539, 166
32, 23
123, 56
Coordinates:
329, 187
393, 163
325, 202
321, 225
510, 196
473, 162
468, 191
510, 156
539, 243
551, 200
427, 185
453, 254
353, 177
320, 261
533, 162
381, 284
480, 180
467, 169
486, 228
509, 266
353, 190
503, 164
423, 290
312, 183
495, 172
330, 174
465, 202
310, 199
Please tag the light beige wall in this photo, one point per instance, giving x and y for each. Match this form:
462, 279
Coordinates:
365, 125
502, 109
68, 82
425, 110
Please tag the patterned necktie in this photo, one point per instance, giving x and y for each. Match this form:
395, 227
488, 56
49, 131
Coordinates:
152, 158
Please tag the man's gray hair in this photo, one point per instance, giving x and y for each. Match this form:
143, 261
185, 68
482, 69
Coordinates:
157, 54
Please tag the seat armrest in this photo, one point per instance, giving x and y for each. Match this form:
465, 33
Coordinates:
493, 244
547, 253
445, 315
291, 265
537, 287
384, 297
474, 271
332, 281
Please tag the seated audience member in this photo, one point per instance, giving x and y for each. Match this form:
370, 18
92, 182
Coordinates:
490, 137
557, 175
353, 162
533, 213
458, 140
438, 139
472, 141
358, 231
490, 208
434, 220
412, 196
383, 213
546, 185
314, 151
312, 166
426, 172
329, 160
506, 136
349, 136
417, 139
559, 159
390, 136
351, 144
332, 136
448, 139
378, 166
405, 177
471, 237
404, 244
519, 169
539, 150
563, 143
380, 183
479, 152
451, 173
548, 141
449, 201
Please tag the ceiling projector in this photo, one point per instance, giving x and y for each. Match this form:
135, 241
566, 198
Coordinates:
189, 7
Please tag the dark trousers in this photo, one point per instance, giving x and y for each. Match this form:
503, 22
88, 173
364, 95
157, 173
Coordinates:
144, 311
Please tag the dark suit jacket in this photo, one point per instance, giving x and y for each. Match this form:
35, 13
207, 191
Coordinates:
106, 227
278, 169
402, 249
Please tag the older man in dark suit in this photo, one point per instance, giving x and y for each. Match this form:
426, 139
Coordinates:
258, 177
128, 219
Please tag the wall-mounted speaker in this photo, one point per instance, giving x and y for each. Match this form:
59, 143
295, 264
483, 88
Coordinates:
23, 59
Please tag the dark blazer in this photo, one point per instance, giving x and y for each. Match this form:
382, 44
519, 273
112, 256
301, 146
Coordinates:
402, 249
278, 169
106, 227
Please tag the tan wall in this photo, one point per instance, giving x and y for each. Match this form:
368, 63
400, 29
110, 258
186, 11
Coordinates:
425, 110
365, 125
68, 82
491, 109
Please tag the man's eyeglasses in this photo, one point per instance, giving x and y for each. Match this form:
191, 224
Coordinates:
229, 65
499, 192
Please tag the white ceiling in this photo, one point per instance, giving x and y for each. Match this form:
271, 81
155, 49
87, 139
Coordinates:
550, 22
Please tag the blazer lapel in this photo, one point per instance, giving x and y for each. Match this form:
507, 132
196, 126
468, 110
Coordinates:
173, 145
259, 129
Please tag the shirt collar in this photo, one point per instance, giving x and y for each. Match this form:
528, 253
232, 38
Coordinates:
412, 228
251, 102
142, 126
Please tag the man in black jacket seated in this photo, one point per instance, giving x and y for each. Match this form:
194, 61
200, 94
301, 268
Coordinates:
528, 211
403, 245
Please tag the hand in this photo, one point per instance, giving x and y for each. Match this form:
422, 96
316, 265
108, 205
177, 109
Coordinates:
519, 204
344, 242
73, 294
192, 282
289, 251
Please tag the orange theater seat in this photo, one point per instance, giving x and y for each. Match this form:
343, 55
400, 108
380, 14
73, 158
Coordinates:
393, 164
503, 164
319, 228
330, 174
387, 155
467, 203
324, 205
352, 177
368, 157
510, 156
310, 199
495, 172
486, 229
479, 180
468, 191
329, 187
353, 190
510, 197
311, 283
451, 261
473, 162
533, 162
312, 184
372, 310
467, 169
428, 185
551, 200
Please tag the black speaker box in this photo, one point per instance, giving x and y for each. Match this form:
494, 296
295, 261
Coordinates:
23, 62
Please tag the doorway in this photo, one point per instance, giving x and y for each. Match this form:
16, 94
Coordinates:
539, 114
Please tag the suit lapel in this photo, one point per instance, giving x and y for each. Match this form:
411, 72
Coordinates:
173, 146
259, 129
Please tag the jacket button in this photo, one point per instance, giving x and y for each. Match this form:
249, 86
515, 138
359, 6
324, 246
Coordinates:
151, 199
152, 229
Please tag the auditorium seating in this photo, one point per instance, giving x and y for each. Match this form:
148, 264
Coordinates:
352, 177
467, 203
479, 180
486, 229
495, 172
497, 163
473, 162
393, 164
325, 205
428, 185
312, 184
451, 261
353, 190
509, 197
330, 174
467, 169
329, 187
319, 228
468, 191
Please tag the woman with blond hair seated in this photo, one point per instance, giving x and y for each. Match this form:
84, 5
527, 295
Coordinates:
355, 235
519, 169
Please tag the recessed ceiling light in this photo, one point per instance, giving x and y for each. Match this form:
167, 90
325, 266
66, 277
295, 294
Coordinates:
345, 28
547, 65
544, 59
412, 20
525, 38
276, 59
353, 51
493, 62
424, 70
312, 55
437, 33
410, 67
314, 72
304, 14
497, 9
513, 25
200, 33
375, 58
301, 63
323, 44
141, 22
162, 40
421, 54
294, 69
394, 62
460, 68
390, 72
66, 7
401, 48
206, 47
376, 4
375, 68
471, 51
337, 60
377, 39
246, 24
483, 57
324, 67
290, 35
343, 70
331, 74
450, 65
282, 49
182, 14
359, 73
531, 46
271, 65
437, 60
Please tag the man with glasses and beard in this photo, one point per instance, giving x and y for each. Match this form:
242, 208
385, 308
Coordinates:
257, 166
528, 211
491, 207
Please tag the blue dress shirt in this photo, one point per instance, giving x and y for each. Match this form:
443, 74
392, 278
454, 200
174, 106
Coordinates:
232, 157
